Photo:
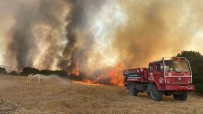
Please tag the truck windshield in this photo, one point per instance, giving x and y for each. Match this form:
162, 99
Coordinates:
176, 66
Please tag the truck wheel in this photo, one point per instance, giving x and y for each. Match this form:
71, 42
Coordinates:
132, 90
180, 97
155, 94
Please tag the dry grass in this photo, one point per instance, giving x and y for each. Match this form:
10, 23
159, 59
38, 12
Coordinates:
57, 96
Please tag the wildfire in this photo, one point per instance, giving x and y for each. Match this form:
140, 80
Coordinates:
116, 76
111, 77
88, 82
76, 70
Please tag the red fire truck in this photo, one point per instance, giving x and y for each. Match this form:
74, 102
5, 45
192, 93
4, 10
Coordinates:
171, 76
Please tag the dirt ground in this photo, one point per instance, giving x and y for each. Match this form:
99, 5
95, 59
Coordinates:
60, 96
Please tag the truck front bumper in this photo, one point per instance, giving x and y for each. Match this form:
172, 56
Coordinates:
180, 87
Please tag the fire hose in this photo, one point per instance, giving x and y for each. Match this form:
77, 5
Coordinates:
122, 91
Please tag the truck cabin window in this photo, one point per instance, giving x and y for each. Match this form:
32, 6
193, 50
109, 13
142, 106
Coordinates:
151, 68
159, 67
176, 66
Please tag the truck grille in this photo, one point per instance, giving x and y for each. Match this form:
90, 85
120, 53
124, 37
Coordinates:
178, 80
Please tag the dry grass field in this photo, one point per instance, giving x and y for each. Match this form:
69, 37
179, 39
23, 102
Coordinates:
60, 96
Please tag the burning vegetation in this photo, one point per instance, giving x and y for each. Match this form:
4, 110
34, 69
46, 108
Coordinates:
95, 39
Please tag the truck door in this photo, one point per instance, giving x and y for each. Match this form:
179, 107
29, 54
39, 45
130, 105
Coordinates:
158, 69
151, 73
155, 72
158, 72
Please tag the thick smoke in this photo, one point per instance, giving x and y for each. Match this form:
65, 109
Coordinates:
154, 29
36, 33
78, 46
100, 34
21, 40
51, 23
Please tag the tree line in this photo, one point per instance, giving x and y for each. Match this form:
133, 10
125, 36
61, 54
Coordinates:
28, 70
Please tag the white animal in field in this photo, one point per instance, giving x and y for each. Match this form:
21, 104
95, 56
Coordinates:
37, 76
29, 78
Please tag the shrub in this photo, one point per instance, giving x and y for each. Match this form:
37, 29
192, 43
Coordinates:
196, 63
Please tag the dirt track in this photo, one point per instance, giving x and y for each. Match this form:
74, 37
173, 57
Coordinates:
57, 96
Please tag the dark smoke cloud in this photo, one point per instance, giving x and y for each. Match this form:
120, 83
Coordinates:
50, 13
23, 45
33, 19
22, 40
78, 22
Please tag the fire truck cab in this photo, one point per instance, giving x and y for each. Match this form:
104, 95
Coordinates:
171, 76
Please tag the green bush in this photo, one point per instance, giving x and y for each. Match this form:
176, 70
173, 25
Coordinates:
196, 63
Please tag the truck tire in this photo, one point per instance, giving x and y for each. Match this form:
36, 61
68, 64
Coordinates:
132, 89
180, 97
155, 94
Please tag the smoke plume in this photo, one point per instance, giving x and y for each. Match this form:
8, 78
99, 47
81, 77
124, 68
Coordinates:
154, 29
36, 36
79, 39
100, 34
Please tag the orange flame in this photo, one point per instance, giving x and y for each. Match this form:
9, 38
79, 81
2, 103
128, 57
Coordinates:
116, 76
88, 82
76, 71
